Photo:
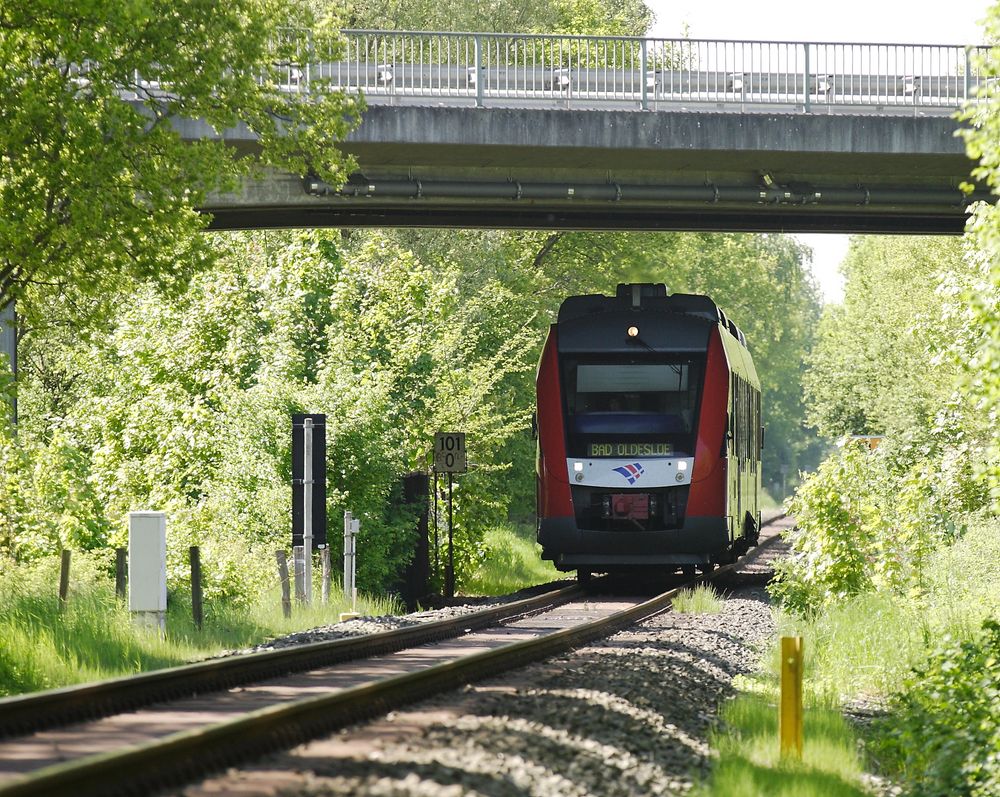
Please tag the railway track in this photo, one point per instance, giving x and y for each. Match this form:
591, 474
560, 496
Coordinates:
56, 707
370, 675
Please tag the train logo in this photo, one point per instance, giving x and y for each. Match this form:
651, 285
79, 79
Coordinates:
631, 472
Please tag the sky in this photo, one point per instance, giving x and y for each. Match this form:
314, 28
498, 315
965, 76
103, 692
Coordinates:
897, 22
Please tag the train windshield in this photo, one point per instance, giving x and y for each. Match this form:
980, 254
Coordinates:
640, 407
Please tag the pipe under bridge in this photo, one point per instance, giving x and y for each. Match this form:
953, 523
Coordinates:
539, 131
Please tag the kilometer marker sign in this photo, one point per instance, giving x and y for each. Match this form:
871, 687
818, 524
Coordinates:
449, 452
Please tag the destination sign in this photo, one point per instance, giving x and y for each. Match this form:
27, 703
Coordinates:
629, 450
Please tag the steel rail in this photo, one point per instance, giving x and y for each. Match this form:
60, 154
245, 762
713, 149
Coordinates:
27, 713
186, 756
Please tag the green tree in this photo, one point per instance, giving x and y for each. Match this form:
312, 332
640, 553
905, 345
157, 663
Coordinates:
884, 362
96, 186
594, 17
982, 138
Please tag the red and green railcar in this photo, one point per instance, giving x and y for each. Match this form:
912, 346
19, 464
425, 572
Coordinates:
649, 434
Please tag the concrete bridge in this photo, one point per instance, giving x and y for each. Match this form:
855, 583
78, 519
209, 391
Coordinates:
497, 130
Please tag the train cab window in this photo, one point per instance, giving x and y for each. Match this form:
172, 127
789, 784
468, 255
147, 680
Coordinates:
614, 408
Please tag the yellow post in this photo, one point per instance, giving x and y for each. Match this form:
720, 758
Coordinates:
790, 716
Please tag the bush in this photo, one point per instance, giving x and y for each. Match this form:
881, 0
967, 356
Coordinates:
944, 733
871, 519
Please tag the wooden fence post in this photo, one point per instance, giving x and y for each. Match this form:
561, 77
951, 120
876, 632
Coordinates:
324, 557
121, 558
196, 607
286, 596
64, 576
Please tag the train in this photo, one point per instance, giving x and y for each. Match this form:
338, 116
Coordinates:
649, 434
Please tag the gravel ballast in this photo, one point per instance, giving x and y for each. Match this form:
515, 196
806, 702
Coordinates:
629, 715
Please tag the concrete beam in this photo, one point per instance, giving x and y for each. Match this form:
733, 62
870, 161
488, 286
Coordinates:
917, 159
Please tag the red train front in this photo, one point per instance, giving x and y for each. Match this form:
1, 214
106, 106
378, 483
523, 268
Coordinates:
649, 434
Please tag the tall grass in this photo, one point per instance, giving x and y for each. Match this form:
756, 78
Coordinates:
864, 645
513, 561
867, 643
749, 764
700, 600
45, 645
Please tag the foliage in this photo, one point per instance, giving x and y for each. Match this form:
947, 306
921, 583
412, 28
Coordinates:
939, 736
593, 17
159, 368
97, 187
511, 561
48, 500
184, 405
887, 360
944, 735
889, 363
182, 401
982, 135
869, 520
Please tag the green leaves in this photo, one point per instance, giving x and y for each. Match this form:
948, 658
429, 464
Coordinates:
97, 188
944, 735
869, 520
982, 139
594, 17
889, 357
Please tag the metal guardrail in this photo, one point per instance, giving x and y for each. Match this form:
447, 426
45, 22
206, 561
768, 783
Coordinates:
594, 71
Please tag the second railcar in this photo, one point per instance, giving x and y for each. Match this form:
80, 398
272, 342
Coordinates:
649, 434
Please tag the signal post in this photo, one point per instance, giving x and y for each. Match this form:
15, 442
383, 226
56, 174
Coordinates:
450, 458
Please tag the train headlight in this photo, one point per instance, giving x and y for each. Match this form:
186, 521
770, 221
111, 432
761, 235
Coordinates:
682, 465
633, 332
578, 467
680, 476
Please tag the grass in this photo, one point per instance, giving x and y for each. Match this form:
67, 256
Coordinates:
700, 600
43, 645
767, 501
749, 762
862, 646
867, 643
513, 561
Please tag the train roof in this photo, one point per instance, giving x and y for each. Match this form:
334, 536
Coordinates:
648, 296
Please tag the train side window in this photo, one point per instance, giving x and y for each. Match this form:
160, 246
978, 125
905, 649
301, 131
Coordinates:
743, 419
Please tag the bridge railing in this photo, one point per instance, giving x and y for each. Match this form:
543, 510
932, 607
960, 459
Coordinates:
594, 71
